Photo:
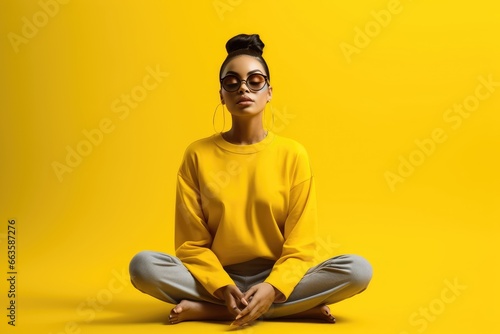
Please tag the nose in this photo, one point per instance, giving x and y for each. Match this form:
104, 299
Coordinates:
243, 90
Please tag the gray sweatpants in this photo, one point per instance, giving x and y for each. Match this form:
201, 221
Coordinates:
165, 277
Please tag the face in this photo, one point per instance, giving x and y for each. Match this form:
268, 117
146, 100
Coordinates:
245, 101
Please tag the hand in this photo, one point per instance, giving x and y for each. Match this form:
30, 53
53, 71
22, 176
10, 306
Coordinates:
233, 298
261, 297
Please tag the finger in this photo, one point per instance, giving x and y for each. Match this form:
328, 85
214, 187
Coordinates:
250, 292
238, 292
235, 311
256, 308
249, 313
239, 297
232, 305
238, 301
248, 318
244, 312
231, 302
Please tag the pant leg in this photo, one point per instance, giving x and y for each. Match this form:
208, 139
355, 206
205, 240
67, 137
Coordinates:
165, 277
333, 280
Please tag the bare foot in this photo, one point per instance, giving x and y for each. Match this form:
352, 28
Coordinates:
321, 312
190, 310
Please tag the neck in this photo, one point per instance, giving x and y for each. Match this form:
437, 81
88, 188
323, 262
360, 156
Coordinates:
246, 131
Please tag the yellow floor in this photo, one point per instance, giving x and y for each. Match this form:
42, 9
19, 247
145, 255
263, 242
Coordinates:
426, 279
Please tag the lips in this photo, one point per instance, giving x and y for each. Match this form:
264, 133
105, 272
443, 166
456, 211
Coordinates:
244, 100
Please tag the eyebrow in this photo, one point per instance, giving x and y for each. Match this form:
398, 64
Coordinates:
251, 72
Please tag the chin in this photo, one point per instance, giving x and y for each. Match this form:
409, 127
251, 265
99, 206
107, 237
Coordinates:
245, 111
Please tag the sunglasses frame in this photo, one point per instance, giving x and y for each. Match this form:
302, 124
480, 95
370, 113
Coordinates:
266, 82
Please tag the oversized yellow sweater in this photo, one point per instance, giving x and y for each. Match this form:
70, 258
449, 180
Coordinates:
236, 203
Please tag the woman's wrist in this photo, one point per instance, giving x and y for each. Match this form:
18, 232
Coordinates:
279, 297
219, 293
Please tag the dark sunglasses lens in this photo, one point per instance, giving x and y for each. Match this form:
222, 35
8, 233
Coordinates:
231, 83
256, 81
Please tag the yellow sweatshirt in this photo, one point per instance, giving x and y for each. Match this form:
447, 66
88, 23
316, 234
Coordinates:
236, 203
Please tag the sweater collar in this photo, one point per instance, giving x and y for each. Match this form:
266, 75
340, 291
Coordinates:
243, 149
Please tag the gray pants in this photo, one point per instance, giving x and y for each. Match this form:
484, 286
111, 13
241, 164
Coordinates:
166, 278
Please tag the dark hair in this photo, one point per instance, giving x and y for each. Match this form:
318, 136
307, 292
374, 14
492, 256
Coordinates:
243, 44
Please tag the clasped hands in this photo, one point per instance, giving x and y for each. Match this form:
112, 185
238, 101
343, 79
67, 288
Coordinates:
248, 306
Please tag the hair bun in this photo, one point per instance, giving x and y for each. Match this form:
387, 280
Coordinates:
245, 42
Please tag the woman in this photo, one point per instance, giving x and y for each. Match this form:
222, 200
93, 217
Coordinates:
245, 219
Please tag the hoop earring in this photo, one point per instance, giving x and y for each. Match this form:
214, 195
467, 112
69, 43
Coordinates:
223, 118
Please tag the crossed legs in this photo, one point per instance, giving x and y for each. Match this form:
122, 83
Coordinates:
166, 278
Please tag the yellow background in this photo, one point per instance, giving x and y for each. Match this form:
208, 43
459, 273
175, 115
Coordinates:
356, 113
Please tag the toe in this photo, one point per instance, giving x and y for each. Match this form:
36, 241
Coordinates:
173, 318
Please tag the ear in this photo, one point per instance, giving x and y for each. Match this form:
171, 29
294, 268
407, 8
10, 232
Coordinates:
221, 98
269, 94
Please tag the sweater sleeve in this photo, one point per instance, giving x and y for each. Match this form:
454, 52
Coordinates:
298, 252
193, 239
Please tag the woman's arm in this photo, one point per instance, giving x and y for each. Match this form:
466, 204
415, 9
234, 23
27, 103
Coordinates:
193, 239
